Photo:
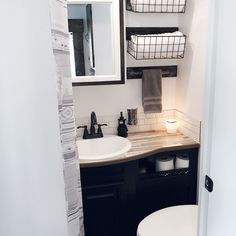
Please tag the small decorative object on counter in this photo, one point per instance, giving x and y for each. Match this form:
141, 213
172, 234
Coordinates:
122, 128
182, 161
132, 116
171, 126
165, 163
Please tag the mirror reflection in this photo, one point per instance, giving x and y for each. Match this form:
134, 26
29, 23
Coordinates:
90, 28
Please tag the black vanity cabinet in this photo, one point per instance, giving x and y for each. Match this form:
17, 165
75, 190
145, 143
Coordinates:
103, 208
157, 190
103, 191
117, 197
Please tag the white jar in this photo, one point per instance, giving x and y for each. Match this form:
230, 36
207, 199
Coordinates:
171, 126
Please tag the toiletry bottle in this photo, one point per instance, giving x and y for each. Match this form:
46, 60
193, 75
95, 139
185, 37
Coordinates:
122, 128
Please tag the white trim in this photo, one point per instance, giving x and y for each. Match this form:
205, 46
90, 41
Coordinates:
98, 78
116, 38
72, 55
206, 136
88, 1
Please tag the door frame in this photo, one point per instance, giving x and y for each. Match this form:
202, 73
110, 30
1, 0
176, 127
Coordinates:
206, 129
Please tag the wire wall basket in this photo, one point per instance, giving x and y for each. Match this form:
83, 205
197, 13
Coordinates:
157, 6
157, 46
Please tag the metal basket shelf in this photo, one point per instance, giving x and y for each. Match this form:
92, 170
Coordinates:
159, 46
156, 6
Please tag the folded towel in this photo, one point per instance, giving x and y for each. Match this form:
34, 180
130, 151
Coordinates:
158, 5
152, 91
165, 45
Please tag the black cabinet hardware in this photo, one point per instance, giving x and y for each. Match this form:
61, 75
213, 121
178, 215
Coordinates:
209, 184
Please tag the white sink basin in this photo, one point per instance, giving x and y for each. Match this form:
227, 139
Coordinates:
102, 148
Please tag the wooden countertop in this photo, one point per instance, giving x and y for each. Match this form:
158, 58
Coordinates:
145, 144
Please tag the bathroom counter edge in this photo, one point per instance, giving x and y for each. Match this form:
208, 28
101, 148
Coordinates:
145, 144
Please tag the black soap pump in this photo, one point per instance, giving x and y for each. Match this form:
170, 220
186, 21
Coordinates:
122, 128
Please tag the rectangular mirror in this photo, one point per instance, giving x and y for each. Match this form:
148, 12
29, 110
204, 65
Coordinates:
96, 41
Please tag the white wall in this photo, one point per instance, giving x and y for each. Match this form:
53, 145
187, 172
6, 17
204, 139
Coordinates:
111, 99
219, 132
79, 12
32, 195
184, 93
102, 33
191, 77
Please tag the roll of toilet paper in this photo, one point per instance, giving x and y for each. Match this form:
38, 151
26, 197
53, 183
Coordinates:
182, 161
164, 164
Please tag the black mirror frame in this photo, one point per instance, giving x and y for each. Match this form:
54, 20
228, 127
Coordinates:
122, 59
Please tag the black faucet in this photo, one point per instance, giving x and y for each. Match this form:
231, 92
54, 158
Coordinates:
92, 133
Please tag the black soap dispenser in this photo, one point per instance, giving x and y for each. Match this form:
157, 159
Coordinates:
122, 128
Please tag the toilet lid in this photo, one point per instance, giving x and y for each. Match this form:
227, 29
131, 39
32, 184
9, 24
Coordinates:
171, 221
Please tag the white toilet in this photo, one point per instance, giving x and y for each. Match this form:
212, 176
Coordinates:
177, 221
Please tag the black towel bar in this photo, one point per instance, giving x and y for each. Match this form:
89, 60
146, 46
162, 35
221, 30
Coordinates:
137, 72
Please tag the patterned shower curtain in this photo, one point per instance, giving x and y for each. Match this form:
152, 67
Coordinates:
60, 41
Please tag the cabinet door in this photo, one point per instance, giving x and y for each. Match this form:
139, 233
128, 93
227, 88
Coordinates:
155, 194
103, 210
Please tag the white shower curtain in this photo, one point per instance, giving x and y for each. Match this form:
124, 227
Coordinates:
60, 41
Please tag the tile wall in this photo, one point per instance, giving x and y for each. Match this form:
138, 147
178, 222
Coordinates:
188, 126
147, 122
